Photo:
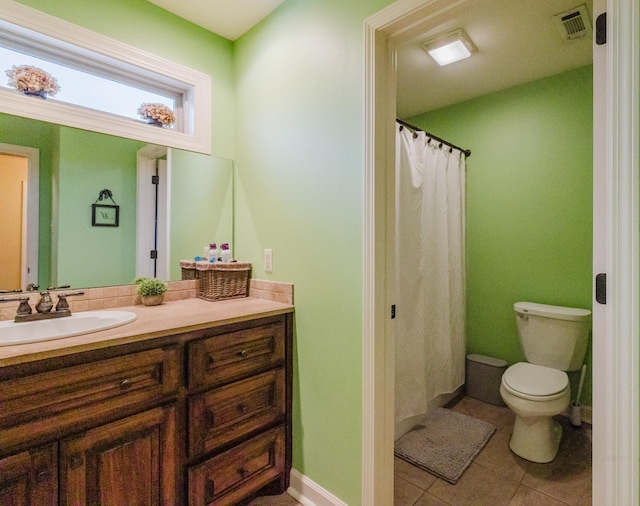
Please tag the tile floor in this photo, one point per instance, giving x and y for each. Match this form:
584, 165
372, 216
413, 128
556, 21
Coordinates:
497, 477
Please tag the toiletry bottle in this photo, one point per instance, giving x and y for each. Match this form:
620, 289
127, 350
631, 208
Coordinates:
205, 257
225, 252
213, 252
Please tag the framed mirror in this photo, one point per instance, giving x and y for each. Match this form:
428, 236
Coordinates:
195, 198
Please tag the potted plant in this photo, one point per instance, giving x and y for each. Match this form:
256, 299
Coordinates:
151, 291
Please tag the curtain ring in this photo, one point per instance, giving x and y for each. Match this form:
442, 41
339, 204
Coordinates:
401, 128
415, 135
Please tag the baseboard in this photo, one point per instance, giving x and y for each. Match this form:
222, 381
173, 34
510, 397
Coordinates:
309, 493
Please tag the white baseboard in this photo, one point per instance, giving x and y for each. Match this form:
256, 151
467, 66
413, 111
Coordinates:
309, 493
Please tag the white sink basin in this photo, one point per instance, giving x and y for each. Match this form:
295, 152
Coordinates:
12, 333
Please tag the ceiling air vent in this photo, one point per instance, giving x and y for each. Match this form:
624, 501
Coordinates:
573, 24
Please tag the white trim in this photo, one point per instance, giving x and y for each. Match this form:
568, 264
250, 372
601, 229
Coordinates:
309, 493
617, 397
621, 360
147, 157
32, 219
197, 136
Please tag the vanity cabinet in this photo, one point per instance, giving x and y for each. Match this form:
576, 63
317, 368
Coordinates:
30, 478
195, 418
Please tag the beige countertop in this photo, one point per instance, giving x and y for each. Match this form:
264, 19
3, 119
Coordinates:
151, 322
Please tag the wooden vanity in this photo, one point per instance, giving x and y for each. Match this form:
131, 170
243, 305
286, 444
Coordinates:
188, 405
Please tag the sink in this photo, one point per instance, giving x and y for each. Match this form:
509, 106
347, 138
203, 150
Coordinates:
12, 333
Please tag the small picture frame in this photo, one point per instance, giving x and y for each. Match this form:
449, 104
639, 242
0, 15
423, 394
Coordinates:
105, 215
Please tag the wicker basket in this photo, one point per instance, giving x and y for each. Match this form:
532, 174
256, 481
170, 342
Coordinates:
189, 270
220, 281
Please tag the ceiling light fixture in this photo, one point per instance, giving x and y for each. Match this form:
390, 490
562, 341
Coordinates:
450, 48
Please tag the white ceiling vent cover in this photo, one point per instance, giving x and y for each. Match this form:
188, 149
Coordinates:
573, 24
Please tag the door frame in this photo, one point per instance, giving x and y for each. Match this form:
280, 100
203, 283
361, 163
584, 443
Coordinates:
31, 219
615, 359
147, 158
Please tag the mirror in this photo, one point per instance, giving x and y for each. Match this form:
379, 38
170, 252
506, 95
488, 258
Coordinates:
76, 165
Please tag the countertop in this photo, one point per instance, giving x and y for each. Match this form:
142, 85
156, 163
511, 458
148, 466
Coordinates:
151, 322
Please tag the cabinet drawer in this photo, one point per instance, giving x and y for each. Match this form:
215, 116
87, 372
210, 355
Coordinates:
227, 413
225, 357
232, 475
75, 394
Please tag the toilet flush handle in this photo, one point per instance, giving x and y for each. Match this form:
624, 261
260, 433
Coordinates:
523, 316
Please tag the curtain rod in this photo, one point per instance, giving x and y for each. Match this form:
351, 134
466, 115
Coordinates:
467, 152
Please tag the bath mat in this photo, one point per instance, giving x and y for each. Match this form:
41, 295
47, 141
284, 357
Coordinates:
445, 443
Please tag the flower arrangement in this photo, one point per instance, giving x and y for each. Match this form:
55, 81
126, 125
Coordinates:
157, 112
30, 79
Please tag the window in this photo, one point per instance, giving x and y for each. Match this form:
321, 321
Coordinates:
102, 82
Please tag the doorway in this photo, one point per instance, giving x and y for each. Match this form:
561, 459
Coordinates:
615, 360
19, 191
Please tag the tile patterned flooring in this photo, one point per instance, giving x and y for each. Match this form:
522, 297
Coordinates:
497, 477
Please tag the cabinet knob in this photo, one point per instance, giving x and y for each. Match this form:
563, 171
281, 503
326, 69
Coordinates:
243, 472
243, 353
125, 384
76, 461
243, 409
43, 475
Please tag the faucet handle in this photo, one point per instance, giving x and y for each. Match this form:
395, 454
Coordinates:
62, 304
61, 287
32, 287
24, 308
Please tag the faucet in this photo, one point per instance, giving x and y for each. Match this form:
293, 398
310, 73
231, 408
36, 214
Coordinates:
43, 307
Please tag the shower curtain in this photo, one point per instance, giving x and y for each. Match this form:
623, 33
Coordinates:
430, 271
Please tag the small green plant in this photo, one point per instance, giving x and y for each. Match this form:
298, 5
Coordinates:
150, 286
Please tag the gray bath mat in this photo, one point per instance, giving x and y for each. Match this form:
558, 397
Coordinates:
445, 443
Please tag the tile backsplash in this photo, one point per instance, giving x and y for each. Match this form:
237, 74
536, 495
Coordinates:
110, 297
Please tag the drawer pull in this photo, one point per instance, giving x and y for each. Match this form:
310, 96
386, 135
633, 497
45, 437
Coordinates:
125, 384
76, 462
243, 473
243, 353
242, 408
43, 475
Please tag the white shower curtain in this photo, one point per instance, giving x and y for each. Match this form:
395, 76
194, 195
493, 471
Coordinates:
430, 264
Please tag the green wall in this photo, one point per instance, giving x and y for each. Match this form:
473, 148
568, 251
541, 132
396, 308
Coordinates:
201, 205
88, 163
299, 169
529, 203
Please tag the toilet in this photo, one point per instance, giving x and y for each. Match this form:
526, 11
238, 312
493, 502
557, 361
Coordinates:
554, 340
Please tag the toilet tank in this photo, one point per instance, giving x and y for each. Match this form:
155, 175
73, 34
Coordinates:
553, 336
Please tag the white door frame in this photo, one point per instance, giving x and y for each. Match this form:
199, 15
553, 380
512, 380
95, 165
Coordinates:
147, 158
31, 218
615, 357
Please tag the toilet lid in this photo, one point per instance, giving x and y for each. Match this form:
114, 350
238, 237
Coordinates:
536, 380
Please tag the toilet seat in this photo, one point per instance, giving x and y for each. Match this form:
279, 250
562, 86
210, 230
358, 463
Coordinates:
535, 382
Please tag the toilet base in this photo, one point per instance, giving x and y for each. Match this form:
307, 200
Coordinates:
536, 438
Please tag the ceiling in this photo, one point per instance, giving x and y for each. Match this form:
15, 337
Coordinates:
229, 18
517, 42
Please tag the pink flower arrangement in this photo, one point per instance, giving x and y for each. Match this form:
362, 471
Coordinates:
158, 112
32, 79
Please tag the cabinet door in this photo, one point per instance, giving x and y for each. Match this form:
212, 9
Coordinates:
30, 478
131, 461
